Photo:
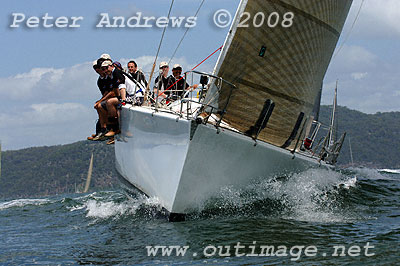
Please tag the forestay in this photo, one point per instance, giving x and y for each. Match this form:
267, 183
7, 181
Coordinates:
283, 63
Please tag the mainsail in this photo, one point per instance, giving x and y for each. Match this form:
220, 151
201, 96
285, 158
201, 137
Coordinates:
89, 175
283, 64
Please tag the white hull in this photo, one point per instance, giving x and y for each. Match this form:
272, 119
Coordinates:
156, 155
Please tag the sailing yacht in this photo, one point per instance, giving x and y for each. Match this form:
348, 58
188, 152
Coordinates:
253, 117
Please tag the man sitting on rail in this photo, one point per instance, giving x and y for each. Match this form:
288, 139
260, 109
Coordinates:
117, 81
101, 105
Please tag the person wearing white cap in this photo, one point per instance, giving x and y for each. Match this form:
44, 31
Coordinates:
161, 82
105, 56
115, 83
103, 83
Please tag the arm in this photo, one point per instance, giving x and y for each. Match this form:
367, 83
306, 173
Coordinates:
118, 82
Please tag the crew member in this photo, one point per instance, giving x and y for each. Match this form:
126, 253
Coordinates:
161, 82
136, 74
101, 105
177, 84
117, 81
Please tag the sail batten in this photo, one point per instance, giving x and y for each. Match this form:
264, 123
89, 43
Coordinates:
284, 64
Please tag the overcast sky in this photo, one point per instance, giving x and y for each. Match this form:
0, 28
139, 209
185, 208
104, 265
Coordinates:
47, 85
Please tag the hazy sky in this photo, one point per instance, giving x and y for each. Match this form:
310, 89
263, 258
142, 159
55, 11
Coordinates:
48, 87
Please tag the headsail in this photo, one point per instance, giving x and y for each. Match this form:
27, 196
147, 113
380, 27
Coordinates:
284, 64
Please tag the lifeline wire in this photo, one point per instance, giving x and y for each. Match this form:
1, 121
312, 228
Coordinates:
220, 48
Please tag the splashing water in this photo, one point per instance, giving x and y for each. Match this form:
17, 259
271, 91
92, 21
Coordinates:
315, 195
316, 207
104, 210
115, 205
373, 174
22, 203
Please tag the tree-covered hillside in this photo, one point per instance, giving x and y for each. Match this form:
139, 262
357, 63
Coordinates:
53, 170
41, 171
375, 139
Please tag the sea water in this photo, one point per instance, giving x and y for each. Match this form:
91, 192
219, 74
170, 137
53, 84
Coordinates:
318, 217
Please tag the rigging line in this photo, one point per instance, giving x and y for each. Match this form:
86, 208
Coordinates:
220, 48
351, 29
184, 35
158, 50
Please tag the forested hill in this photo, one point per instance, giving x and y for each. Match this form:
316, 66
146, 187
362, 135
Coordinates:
375, 141
59, 169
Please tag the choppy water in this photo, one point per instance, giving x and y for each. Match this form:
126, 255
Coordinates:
358, 209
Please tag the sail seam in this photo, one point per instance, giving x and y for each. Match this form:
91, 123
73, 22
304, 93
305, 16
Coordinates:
274, 93
306, 15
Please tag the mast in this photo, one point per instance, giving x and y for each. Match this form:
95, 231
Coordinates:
331, 148
89, 175
331, 131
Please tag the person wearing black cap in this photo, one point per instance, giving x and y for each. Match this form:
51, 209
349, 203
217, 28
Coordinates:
118, 66
176, 83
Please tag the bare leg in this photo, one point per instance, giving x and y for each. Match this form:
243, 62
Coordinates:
123, 94
103, 117
112, 107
